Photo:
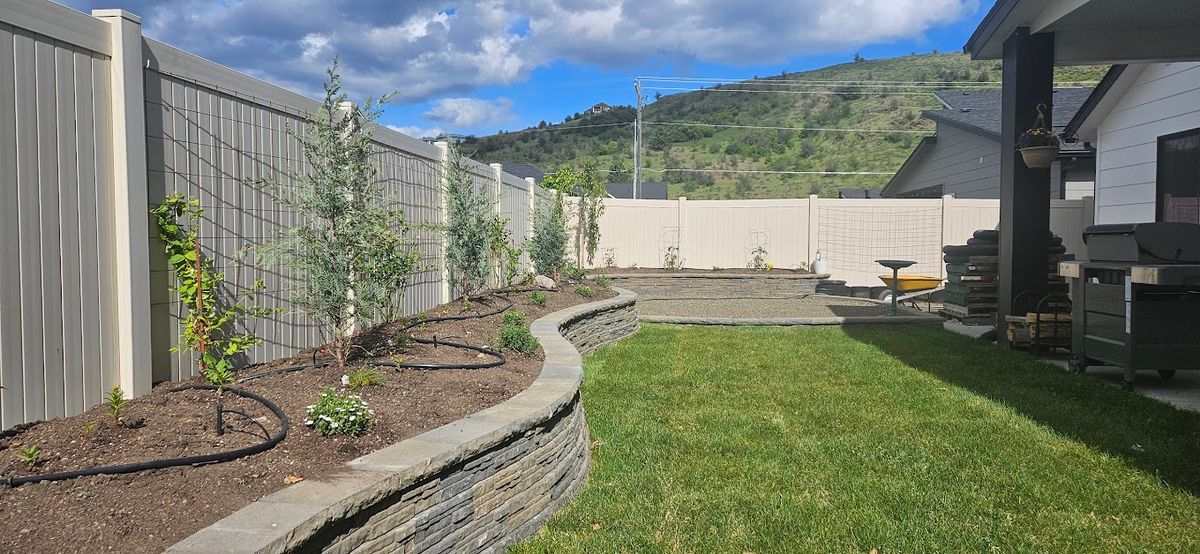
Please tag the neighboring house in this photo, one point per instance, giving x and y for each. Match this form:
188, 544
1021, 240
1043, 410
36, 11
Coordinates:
858, 193
963, 157
1144, 123
524, 170
647, 191
600, 108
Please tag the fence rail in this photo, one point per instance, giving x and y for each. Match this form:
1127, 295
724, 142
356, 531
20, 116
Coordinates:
97, 125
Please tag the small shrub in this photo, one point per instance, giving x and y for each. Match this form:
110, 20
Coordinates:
671, 258
574, 273
513, 317
537, 297
603, 282
116, 403
584, 291
30, 455
758, 259
90, 430
364, 377
518, 339
610, 258
338, 414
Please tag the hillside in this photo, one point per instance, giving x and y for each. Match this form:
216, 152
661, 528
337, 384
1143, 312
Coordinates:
848, 106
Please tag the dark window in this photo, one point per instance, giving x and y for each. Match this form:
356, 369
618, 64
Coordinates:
1178, 197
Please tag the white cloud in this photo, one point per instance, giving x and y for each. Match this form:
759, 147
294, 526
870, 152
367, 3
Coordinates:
425, 50
470, 112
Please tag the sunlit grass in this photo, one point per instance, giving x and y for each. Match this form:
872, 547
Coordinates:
888, 438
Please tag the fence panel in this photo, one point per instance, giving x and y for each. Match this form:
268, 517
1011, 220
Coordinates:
514, 207
57, 302
726, 233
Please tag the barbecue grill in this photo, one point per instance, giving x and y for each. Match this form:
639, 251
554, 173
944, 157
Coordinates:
1136, 302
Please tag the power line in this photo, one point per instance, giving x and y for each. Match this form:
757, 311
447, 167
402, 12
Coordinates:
772, 127
835, 92
768, 80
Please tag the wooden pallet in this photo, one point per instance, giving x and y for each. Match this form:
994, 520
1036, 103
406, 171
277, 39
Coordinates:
968, 311
1022, 331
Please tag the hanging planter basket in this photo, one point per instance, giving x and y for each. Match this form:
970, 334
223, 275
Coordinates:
1039, 145
1039, 157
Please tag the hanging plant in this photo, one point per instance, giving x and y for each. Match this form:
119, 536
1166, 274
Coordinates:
1038, 146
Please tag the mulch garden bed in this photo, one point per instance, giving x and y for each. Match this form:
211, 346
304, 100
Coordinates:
150, 510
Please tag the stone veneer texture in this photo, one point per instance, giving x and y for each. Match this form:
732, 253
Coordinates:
476, 485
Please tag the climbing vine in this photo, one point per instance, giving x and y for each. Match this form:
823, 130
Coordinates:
208, 325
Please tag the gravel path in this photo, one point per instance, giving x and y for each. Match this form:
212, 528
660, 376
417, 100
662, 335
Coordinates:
802, 307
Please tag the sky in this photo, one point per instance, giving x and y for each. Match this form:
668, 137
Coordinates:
481, 67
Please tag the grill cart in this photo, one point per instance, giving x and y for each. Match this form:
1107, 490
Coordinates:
1136, 302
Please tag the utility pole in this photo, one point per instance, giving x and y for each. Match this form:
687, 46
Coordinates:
637, 141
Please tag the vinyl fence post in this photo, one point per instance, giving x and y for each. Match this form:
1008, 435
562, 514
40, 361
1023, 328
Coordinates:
131, 218
531, 199
443, 177
497, 186
681, 233
814, 226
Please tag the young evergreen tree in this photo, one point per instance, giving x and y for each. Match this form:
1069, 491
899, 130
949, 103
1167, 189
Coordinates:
468, 230
548, 245
348, 253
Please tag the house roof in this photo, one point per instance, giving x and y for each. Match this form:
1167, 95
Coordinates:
979, 111
524, 170
1111, 87
647, 191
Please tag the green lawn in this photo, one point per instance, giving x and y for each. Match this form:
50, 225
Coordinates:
859, 438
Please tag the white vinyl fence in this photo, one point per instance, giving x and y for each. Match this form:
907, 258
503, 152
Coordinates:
98, 125
850, 234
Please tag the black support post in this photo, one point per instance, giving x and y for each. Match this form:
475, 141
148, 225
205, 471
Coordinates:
1024, 192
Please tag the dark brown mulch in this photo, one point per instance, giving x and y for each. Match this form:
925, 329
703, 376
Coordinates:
151, 510
689, 271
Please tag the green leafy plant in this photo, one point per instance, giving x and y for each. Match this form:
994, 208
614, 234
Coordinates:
758, 258
208, 325
574, 273
90, 430
584, 291
537, 297
589, 206
603, 282
503, 256
349, 254
339, 414
548, 245
610, 258
30, 455
116, 403
364, 377
1037, 136
671, 258
513, 317
469, 227
518, 339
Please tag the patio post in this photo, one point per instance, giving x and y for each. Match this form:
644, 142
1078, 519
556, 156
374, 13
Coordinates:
1024, 193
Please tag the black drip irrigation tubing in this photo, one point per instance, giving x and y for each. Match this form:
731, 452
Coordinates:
216, 457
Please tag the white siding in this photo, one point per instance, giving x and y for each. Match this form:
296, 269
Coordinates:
1164, 99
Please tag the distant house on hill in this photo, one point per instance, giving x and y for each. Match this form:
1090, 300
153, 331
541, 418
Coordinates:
646, 191
963, 157
600, 108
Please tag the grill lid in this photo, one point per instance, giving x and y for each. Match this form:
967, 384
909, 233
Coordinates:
1166, 242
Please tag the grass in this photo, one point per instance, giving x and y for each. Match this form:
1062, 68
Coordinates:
853, 439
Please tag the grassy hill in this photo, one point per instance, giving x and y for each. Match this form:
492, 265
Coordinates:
808, 106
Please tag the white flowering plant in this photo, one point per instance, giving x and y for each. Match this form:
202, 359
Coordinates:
339, 414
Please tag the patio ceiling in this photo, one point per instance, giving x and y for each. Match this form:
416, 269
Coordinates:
1096, 31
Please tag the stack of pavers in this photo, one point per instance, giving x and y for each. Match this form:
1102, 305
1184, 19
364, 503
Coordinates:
971, 293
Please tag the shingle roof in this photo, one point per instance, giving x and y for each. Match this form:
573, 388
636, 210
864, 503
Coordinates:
524, 170
980, 110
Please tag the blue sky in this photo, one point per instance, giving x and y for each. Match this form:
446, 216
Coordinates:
479, 67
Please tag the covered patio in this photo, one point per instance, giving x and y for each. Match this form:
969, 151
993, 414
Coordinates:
1032, 37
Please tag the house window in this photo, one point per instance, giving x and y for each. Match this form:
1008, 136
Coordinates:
1178, 197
